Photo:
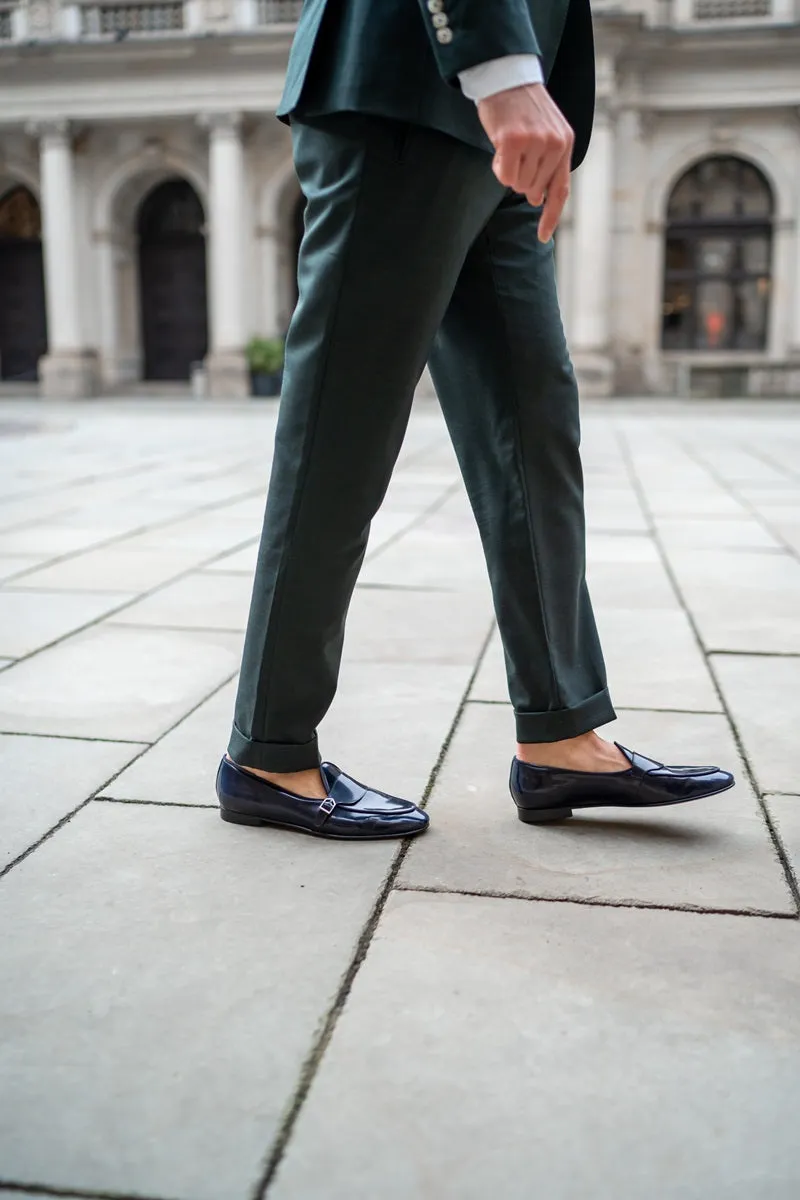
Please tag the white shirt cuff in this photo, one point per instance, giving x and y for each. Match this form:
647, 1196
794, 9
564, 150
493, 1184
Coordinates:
499, 74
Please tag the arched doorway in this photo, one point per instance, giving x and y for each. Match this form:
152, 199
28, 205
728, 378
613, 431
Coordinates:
23, 323
717, 277
172, 280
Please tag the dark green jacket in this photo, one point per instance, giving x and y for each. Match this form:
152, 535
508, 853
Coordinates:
384, 57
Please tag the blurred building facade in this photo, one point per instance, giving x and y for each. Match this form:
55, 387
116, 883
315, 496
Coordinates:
150, 217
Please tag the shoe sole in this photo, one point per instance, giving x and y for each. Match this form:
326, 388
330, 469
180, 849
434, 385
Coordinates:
543, 816
237, 818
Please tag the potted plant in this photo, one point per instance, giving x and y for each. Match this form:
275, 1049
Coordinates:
265, 360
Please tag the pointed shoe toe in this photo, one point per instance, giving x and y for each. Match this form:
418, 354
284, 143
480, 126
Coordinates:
349, 811
545, 794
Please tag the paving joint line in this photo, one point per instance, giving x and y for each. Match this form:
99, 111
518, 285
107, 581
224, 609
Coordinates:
761, 456
107, 616
173, 628
756, 653
596, 902
314, 1059
778, 847
45, 1189
419, 519
76, 737
737, 496
79, 482
152, 803
137, 531
689, 712
145, 748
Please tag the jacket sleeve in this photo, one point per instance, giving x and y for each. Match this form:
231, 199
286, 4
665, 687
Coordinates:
464, 33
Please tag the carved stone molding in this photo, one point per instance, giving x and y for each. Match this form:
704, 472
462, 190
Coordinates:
217, 14
724, 135
53, 132
153, 149
221, 124
40, 18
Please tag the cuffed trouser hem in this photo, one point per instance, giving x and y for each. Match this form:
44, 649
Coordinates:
565, 722
273, 756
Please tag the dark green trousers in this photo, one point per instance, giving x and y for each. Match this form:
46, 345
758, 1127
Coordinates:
413, 252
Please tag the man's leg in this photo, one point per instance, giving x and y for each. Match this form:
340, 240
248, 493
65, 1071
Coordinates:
502, 371
392, 211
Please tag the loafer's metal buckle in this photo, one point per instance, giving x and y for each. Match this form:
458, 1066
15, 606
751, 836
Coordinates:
327, 806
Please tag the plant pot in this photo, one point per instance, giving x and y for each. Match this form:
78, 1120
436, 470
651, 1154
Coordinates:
265, 384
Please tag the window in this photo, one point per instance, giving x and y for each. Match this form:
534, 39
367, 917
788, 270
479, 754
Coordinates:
19, 215
726, 10
717, 262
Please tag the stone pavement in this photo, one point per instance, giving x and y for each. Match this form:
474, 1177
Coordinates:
601, 1010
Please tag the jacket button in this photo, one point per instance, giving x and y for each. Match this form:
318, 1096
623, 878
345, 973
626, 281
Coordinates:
435, 6
444, 36
440, 20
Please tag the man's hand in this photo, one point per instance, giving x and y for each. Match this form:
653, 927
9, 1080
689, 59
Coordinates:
533, 148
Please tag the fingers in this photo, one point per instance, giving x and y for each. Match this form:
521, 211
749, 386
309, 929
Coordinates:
544, 169
507, 162
557, 193
533, 147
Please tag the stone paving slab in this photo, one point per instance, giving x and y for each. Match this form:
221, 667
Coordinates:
785, 812
764, 698
182, 767
643, 586
509, 1049
652, 661
175, 969
690, 534
613, 508
788, 532
11, 565
30, 620
212, 532
428, 557
406, 625
742, 600
713, 854
52, 539
201, 600
21, 512
691, 501
385, 728
44, 779
114, 569
32, 1195
627, 551
116, 682
237, 562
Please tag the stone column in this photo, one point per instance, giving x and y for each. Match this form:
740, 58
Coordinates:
591, 254
226, 366
68, 368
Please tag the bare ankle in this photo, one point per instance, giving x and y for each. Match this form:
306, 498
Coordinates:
586, 752
308, 783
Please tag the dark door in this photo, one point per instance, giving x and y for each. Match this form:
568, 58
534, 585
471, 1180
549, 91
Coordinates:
23, 324
172, 281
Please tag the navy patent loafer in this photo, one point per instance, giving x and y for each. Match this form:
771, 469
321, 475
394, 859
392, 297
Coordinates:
544, 794
350, 810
